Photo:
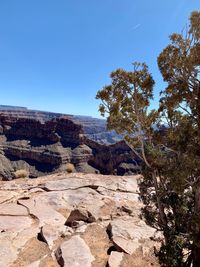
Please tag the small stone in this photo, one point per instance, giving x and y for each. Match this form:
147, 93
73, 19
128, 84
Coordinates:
127, 210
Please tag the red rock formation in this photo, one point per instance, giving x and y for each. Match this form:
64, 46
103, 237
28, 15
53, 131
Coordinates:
45, 146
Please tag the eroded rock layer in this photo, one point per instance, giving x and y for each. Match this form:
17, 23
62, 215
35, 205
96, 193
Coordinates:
42, 144
94, 128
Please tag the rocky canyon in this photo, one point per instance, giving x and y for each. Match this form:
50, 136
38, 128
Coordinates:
43, 142
88, 218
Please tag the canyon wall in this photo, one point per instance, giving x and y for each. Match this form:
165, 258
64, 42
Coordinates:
43, 143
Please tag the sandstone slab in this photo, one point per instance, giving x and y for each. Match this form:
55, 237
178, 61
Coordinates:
128, 233
75, 253
17, 224
12, 242
7, 195
44, 213
13, 209
51, 233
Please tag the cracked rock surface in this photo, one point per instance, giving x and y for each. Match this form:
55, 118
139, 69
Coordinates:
76, 220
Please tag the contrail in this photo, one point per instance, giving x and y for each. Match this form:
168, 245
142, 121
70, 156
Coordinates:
135, 27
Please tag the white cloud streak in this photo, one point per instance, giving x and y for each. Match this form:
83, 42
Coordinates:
135, 27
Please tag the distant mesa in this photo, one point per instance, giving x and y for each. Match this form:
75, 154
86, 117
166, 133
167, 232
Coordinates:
7, 107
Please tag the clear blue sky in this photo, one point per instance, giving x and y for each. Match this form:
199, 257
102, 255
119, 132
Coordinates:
56, 54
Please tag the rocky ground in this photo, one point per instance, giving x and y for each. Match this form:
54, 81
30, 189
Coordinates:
73, 220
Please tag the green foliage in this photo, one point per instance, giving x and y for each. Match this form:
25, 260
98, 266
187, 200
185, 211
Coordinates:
126, 101
170, 186
127, 96
172, 253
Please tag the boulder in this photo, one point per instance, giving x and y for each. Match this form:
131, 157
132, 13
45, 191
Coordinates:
79, 215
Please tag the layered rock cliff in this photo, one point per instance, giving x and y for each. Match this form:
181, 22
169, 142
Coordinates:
43, 143
94, 128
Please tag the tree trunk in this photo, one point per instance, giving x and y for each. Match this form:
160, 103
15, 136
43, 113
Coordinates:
162, 215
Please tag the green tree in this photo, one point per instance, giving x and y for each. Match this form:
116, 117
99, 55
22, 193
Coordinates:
170, 188
179, 64
126, 101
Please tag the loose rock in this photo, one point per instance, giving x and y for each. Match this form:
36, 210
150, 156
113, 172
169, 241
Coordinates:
75, 253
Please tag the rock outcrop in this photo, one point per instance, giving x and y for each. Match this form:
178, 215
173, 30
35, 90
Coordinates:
44, 144
74, 220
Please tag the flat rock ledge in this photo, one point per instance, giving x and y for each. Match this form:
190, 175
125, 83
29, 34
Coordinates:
76, 220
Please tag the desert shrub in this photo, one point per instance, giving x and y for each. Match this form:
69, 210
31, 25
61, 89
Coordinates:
21, 174
69, 167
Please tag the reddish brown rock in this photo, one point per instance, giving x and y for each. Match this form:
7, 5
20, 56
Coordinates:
43, 143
